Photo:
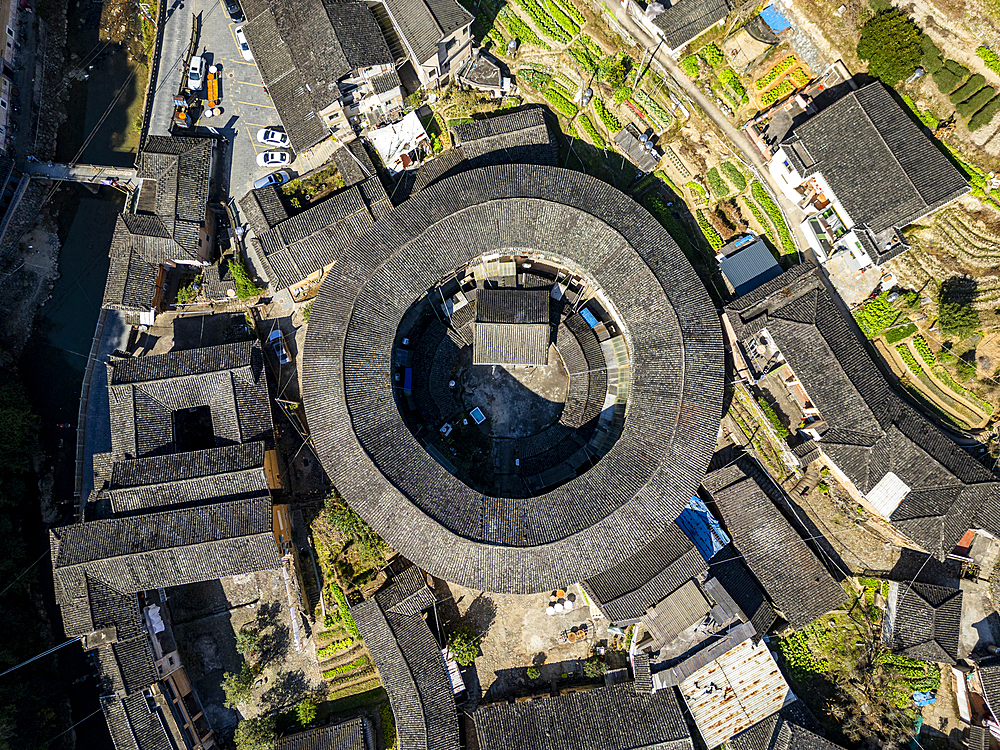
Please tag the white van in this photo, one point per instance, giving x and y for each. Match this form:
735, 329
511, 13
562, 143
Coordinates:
196, 73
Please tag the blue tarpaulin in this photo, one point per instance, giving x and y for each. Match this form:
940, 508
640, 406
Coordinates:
589, 317
924, 699
773, 18
700, 526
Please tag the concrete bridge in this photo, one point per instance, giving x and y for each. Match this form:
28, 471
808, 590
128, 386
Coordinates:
94, 174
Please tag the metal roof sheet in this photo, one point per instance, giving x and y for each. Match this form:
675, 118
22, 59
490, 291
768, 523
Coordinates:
750, 267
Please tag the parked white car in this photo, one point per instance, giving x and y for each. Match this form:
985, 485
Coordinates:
196, 73
273, 138
274, 159
241, 40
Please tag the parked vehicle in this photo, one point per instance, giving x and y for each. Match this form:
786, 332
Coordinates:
196, 73
241, 40
234, 10
275, 178
273, 138
274, 159
278, 343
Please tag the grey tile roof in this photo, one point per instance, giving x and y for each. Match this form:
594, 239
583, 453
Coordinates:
795, 580
928, 622
424, 23
145, 392
686, 19
780, 731
263, 208
512, 306
348, 735
511, 344
989, 674
315, 238
354, 162
134, 726
629, 143
588, 524
131, 282
625, 591
302, 49
979, 738
728, 569
410, 663
164, 549
881, 166
607, 718
871, 429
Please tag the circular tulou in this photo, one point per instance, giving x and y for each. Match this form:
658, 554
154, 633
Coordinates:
515, 378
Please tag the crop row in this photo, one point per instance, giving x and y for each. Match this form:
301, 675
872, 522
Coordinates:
349, 667
945, 377
698, 191
588, 127
800, 77
334, 647
989, 57
985, 115
716, 183
734, 175
562, 20
582, 57
910, 360
535, 78
975, 102
711, 54
711, 234
920, 344
774, 214
345, 611
542, 20
730, 79
899, 333
563, 105
800, 659
663, 214
759, 216
690, 65
651, 106
519, 28
773, 73
780, 91
611, 122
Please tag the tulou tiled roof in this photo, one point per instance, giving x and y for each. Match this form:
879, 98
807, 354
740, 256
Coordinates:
642, 580
302, 49
928, 622
591, 522
683, 20
348, 735
314, 239
522, 137
410, 664
797, 583
175, 174
146, 392
607, 718
881, 166
872, 431
424, 23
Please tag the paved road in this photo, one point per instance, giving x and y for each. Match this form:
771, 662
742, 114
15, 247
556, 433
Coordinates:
736, 137
246, 107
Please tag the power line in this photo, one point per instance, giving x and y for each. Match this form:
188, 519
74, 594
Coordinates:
44, 554
46, 653
72, 727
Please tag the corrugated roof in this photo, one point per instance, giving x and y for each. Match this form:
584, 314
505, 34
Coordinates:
734, 692
752, 266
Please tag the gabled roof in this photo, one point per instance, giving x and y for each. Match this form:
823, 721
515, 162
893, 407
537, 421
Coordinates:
608, 718
131, 282
348, 735
795, 580
145, 393
303, 244
728, 569
928, 622
989, 675
979, 738
512, 306
424, 23
872, 431
410, 664
263, 208
686, 19
625, 591
302, 49
879, 163
628, 140
782, 730
134, 726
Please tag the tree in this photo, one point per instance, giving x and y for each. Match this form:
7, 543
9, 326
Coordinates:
594, 667
892, 45
256, 734
238, 687
248, 640
245, 288
463, 644
305, 710
612, 70
956, 316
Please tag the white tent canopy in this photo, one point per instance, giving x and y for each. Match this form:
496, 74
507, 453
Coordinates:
395, 142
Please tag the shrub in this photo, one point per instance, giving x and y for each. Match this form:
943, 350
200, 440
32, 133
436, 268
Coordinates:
985, 115
608, 117
730, 79
245, 288
563, 105
307, 311
931, 59
612, 70
891, 44
188, 293
717, 184
967, 89
773, 418
247, 640
875, 315
711, 54
975, 102
774, 214
734, 175
899, 333
989, 58
772, 75
690, 65
534, 673
238, 687
591, 131
594, 667
710, 232
463, 644
305, 711
621, 94
389, 728
949, 76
